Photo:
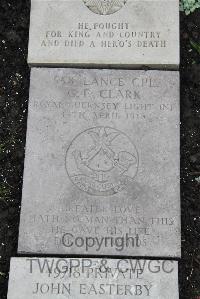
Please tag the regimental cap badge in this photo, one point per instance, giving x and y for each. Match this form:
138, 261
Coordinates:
102, 161
104, 7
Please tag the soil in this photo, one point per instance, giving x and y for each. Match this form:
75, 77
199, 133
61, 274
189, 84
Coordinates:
14, 86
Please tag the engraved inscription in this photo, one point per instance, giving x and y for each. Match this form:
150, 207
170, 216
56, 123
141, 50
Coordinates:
101, 161
104, 7
60, 278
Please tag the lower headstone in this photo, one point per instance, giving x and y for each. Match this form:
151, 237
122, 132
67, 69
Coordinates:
32, 278
102, 163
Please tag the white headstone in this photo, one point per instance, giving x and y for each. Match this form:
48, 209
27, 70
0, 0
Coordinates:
52, 278
102, 163
116, 33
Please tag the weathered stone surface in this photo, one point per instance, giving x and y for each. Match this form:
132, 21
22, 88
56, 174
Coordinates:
119, 33
81, 278
102, 163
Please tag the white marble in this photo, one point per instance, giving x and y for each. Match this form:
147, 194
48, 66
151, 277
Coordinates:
102, 163
52, 278
127, 34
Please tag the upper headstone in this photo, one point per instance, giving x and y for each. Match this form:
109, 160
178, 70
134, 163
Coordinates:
53, 278
102, 163
118, 33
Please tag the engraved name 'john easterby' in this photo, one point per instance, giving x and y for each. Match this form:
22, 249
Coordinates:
92, 289
90, 269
